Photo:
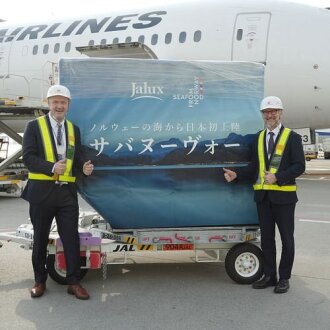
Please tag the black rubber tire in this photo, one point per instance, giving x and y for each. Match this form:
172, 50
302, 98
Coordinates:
58, 275
244, 263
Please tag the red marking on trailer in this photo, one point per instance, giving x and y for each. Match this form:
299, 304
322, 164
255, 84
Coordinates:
176, 247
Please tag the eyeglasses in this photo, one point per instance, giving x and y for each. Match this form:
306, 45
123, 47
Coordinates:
270, 112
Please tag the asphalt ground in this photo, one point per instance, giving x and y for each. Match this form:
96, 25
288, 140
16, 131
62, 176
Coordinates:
318, 167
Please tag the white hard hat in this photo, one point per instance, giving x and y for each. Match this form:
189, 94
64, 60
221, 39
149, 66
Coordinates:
271, 102
58, 90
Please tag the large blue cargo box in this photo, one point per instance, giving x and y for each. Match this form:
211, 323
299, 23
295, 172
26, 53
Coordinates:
159, 133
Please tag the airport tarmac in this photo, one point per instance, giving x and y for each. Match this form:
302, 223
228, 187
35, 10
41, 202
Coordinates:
318, 167
169, 290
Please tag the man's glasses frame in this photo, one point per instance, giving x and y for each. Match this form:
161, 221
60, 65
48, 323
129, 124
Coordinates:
270, 111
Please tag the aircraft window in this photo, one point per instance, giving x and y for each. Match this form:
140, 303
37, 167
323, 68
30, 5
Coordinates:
67, 47
182, 37
103, 42
239, 34
197, 36
154, 39
46, 48
115, 41
168, 38
128, 39
56, 48
35, 50
91, 43
141, 39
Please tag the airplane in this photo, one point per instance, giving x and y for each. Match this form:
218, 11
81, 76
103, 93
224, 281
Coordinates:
290, 39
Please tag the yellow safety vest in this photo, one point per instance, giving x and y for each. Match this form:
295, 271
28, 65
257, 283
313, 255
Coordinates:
274, 162
50, 155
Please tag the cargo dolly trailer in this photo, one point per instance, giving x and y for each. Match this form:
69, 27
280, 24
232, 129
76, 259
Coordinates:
236, 246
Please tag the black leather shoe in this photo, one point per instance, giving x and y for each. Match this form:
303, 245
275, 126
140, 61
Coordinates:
265, 282
282, 286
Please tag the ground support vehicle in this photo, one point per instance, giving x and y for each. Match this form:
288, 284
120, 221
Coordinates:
13, 175
12, 185
13, 118
237, 246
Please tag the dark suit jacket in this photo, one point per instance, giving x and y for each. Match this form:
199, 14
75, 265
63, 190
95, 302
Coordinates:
292, 166
34, 159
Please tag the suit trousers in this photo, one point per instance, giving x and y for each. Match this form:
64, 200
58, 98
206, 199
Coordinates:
62, 205
282, 215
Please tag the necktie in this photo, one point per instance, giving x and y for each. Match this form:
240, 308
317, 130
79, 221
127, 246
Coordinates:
59, 134
271, 143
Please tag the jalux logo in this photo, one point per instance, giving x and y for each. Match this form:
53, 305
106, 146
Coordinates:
145, 90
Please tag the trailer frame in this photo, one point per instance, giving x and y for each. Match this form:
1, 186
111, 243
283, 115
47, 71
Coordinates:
237, 246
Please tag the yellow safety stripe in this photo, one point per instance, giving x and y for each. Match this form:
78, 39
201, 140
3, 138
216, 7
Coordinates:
274, 187
67, 176
145, 247
46, 140
280, 146
274, 163
39, 176
129, 239
261, 157
49, 153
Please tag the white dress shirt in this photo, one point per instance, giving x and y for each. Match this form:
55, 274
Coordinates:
60, 148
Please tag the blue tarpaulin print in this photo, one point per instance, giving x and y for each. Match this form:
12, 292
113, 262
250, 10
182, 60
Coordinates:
159, 133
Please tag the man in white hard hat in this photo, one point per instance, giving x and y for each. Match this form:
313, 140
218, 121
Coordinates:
277, 160
52, 154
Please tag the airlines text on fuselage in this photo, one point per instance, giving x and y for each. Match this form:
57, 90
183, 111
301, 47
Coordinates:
107, 24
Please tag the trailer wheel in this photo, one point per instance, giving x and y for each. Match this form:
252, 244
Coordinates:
59, 275
244, 263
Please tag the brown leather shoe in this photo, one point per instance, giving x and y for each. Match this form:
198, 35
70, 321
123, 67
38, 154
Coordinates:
78, 291
38, 289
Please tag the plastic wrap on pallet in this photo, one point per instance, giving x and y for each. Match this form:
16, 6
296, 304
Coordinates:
159, 133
